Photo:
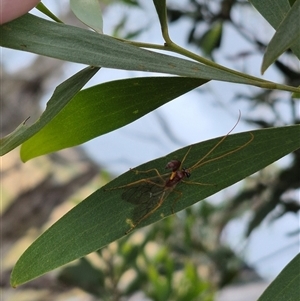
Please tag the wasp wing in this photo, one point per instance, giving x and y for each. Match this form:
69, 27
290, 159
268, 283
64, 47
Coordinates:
146, 195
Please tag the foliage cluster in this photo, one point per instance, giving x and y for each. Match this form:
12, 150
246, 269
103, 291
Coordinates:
101, 218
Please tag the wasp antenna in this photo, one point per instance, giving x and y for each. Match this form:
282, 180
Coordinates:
183, 159
221, 141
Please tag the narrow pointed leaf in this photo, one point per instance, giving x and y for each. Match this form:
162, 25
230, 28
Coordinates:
103, 108
101, 218
59, 41
286, 286
274, 11
89, 13
161, 10
42, 8
286, 35
61, 96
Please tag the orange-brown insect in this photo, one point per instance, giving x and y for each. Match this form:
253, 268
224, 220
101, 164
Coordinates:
148, 194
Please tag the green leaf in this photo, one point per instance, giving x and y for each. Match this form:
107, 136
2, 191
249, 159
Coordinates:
104, 108
287, 34
61, 96
89, 13
101, 218
42, 8
274, 11
59, 41
211, 39
161, 9
286, 286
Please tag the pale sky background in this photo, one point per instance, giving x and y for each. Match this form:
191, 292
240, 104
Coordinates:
193, 117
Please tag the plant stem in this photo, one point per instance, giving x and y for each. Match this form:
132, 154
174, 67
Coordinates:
172, 47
